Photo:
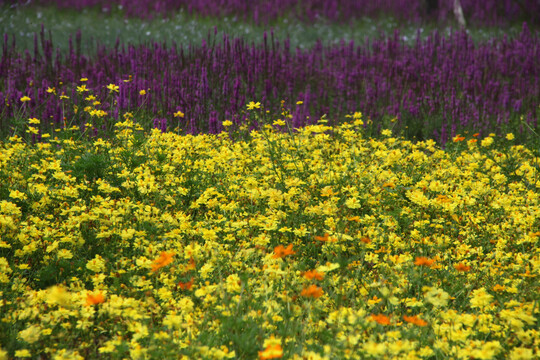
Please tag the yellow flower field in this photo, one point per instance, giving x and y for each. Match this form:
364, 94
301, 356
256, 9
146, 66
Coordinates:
311, 244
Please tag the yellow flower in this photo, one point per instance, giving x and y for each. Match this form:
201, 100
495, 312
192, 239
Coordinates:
480, 298
521, 353
33, 121
65, 254
24, 353
81, 89
233, 283
112, 88
299, 102
352, 203
64, 354
253, 105
179, 114
486, 142
58, 295
437, 297
108, 348
25, 99
97, 264
84, 79
32, 130
142, 92
488, 350
509, 136
374, 349
31, 334
227, 123
16, 194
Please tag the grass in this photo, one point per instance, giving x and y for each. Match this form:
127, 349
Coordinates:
106, 29
318, 243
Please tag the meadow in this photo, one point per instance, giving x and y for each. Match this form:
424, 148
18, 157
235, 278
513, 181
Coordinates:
348, 200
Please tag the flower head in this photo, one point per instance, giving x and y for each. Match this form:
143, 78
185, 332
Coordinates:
312, 291
380, 319
326, 238
462, 267
280, 251
164, 259
94, 299
423, 261
480, 298
253, 105
273, 351
186, 285
313, 274
112, 88
415, 320
82, 88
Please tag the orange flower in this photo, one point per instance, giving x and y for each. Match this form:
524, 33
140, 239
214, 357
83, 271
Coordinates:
325, 238
389, 184
459, 138
381, 319
365, 240
462, 267
415, 320
186, 285
274, 351
313, 274
423, 261
164, 259
322, 238
92, 299
280, 251
312, 291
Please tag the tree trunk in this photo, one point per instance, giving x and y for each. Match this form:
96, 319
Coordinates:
458, 12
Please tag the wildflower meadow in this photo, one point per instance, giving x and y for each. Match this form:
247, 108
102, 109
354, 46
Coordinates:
224, 201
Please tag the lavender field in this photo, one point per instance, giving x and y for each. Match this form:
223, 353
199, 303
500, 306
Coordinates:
436, 88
